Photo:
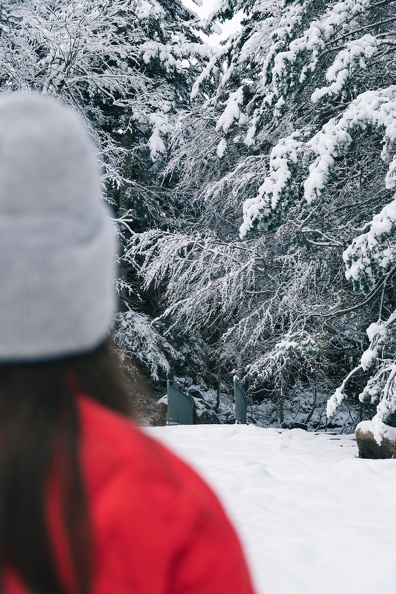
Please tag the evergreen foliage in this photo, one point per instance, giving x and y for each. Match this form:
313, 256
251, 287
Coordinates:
299, 131
253, 185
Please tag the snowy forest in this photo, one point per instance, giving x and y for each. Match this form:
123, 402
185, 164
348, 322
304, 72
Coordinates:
253, 187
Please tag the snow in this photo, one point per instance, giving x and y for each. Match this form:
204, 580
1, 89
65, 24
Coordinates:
161, 125
139, 338
376, 108
270, 193
145, 9
368, 358
312, 516
221, 148
206, 72
204, 9
371, 108
352, 57
335, 400
231, 111
312, 43
378, 428
372, 248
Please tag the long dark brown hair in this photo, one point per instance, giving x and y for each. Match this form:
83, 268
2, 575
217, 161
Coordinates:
39, 424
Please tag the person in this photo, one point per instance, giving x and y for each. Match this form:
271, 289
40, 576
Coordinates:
89, 504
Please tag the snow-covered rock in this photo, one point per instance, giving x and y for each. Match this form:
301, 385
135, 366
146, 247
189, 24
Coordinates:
373, 443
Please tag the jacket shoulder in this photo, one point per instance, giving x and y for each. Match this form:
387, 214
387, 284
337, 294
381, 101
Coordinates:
157, 524
112, 443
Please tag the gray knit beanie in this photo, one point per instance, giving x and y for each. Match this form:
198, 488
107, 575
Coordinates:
57, 244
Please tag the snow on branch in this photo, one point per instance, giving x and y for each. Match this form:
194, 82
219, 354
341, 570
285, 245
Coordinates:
353, 57
372, 108
161, 126
202, 276
372, 254
138, 338
172, 55
280, 38
206, 72
289, 61
297, 345
381, 387
275, 185
145, 9
231, 112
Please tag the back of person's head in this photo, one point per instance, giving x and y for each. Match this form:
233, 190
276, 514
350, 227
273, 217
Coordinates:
57, 253
56, 241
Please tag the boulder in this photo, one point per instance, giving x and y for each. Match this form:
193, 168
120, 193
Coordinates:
369, 447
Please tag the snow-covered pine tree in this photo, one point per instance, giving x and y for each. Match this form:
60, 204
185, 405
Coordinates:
299, 130
326, 103
224, 289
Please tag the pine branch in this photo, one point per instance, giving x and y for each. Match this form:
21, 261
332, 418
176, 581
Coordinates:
368, 299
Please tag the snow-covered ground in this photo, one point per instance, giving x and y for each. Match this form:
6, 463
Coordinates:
313, 517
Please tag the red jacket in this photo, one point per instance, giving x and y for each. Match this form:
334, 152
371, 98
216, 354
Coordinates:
158, 528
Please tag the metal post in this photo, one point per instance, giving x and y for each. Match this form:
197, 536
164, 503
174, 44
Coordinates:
180, 406
240, 402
